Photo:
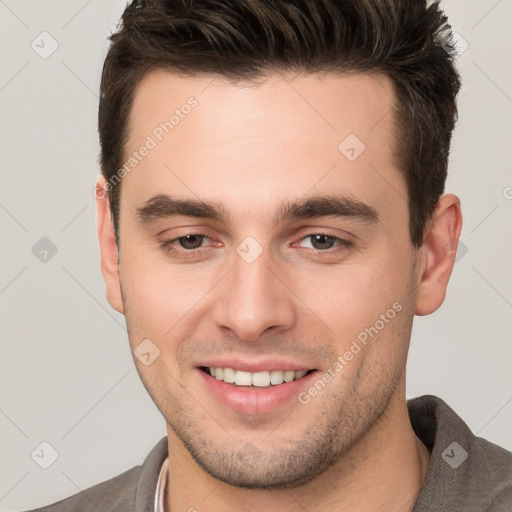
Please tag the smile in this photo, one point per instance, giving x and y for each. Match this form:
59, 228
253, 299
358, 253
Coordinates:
261, 379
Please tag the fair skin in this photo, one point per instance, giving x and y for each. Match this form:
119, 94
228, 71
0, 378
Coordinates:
298, 305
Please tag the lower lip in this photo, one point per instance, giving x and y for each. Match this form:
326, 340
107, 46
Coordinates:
254, 400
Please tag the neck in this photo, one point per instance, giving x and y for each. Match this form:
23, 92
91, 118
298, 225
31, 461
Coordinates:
383, 471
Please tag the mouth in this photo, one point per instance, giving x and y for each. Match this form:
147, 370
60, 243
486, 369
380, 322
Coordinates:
254, 386
255, 380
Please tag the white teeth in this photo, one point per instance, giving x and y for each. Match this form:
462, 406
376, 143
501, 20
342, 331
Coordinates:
243, 378
229, 375
256, 379
276, 377
288, 376
261, 379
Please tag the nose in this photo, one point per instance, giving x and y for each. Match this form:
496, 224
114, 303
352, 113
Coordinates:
253, 299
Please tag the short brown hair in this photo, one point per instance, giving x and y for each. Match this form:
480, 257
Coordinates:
407, 40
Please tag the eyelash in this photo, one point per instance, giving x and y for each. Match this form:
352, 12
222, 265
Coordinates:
168, 245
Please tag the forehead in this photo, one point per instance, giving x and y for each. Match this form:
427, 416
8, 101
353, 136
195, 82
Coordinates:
331, 102
281, 137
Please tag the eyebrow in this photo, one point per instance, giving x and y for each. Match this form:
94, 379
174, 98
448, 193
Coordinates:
164, 206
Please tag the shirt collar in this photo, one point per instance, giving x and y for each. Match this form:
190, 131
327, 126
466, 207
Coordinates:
161, 486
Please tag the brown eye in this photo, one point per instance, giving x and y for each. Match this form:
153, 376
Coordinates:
321, 242
324, 244
188, 246
191, 241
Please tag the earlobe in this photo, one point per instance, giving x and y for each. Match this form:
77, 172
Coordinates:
108, 246
438, 254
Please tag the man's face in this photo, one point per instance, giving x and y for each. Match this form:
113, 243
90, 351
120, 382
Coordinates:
263, 286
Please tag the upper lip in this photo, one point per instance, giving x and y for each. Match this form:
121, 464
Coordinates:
254, 366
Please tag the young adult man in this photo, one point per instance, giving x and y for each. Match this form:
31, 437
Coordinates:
271, 218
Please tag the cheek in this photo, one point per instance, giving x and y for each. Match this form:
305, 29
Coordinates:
349, 298
159, 297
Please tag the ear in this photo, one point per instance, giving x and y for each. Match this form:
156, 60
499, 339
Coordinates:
438, 254
108, 246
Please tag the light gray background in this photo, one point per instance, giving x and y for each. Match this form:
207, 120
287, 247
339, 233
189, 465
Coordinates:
67, 376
